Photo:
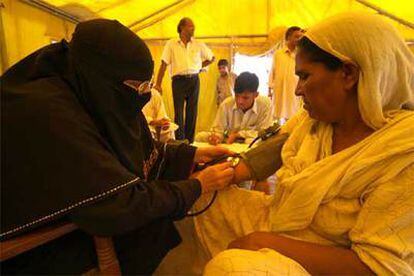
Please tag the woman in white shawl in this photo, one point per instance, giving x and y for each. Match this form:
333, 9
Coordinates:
344, 201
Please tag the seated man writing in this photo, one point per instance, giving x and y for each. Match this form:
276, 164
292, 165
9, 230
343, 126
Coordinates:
239, 118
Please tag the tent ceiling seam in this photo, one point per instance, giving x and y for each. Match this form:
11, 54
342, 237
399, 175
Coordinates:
111, 6
52, 10
386, 13
213, 37
132, 25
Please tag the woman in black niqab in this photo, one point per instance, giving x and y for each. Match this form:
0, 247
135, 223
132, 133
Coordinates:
75, 145
103, 57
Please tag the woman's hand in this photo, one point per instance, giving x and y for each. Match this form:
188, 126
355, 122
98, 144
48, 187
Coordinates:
207, 154
215, 177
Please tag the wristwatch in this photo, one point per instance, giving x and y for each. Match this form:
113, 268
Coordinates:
235, 160
226, 133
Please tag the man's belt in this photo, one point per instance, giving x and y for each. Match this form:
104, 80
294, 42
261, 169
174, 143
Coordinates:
189, 76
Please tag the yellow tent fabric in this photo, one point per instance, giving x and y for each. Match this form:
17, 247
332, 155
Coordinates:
251, 27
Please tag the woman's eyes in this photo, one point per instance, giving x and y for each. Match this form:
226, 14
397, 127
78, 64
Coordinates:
303, 76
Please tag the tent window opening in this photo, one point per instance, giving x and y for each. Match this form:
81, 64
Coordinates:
260, 65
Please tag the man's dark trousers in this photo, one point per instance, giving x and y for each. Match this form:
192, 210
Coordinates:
185, 88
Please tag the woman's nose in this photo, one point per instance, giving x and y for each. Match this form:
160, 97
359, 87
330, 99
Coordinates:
298, 90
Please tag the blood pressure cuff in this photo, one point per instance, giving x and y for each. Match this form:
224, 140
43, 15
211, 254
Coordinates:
265, 159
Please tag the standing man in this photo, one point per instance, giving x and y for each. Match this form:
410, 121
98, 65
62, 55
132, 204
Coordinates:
225, 82
282, 79
186, 57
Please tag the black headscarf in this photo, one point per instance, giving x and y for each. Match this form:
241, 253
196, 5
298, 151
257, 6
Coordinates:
72, 132
104, 54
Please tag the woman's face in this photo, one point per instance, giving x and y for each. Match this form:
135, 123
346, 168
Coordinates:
322, 90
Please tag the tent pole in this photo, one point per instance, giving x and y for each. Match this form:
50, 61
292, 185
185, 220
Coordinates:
385, 13
268, 15
52, 10
3, 51
232, 54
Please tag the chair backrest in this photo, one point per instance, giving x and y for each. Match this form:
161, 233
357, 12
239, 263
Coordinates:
107, 259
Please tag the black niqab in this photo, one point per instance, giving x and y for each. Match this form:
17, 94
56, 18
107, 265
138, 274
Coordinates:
104, 54
65, 114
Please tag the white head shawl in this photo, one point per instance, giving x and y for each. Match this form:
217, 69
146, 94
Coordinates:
386, 81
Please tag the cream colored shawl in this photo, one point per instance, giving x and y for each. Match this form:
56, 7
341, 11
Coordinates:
306, 183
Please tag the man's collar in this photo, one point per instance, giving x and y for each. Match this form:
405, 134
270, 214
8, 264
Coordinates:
180, 41
253, 108
287, 50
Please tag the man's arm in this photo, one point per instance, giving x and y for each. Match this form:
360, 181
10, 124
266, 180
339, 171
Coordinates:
220, 123
160, 76
207, 62
271, 79
218, 93
206, 55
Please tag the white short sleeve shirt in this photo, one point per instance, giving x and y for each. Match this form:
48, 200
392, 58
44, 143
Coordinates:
184, 60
